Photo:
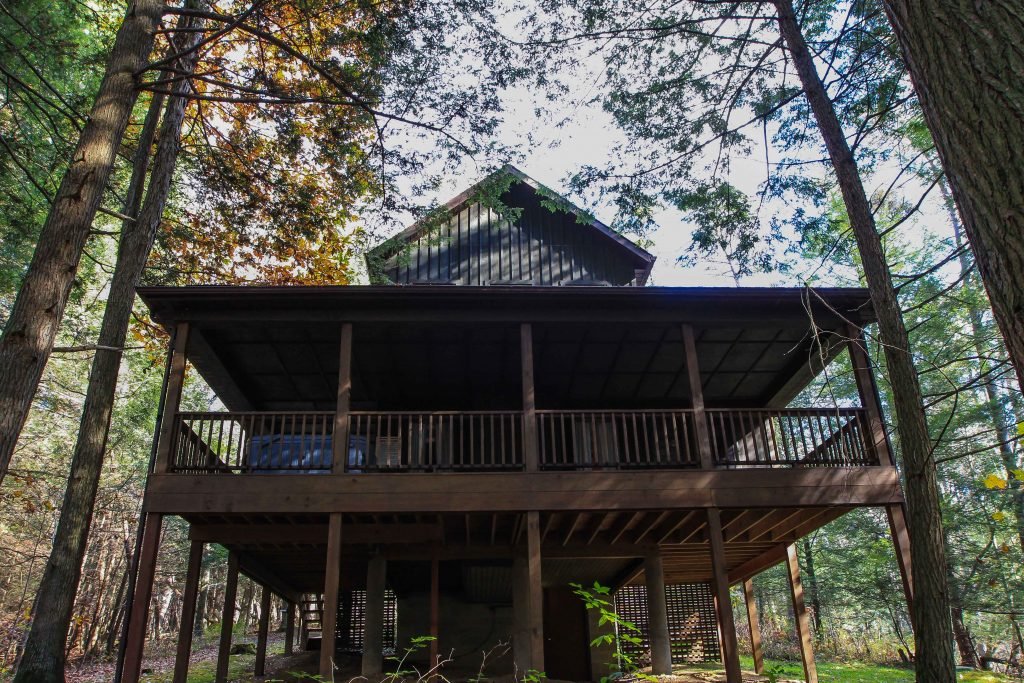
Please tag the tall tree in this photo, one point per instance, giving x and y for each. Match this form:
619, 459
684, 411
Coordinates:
931, 615
969, 77
43, 657
30, 330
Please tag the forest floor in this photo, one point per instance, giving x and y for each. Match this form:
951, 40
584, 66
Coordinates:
301, 667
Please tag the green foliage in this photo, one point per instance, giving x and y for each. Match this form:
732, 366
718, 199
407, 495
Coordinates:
623, 665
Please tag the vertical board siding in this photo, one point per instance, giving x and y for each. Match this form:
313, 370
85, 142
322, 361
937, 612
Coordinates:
478, 246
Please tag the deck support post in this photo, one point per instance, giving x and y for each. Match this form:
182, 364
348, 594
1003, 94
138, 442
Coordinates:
289, 629
435, 605
188, 612
303, 627
897, 515
879, 442
520, 615
657, 615
135, 639
531, 458
756, 648
700, 422
332, 586
536, 591
339, 440
373, 630
803, 626
172, 399
720, 587
227, 619
868, 391
260, 668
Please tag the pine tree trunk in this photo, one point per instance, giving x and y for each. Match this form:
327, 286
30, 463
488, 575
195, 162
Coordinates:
43, 658
997, 415
32, 327
968, 71
931, 616
812, 585
964, 641
199, 626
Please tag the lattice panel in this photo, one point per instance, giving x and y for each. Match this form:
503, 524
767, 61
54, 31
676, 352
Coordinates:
352, 622
692, 622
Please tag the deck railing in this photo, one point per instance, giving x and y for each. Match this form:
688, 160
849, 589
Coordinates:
249, 442
390, 441
611, 438
803, 437
302, 442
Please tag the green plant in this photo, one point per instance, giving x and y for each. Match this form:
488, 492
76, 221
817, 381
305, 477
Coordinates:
774, 673
623, 665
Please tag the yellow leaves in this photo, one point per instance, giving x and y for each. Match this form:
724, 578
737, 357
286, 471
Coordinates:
1018, 474
994, 481
998, 516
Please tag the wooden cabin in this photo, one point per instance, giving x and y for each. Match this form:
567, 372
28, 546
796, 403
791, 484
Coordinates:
509, 410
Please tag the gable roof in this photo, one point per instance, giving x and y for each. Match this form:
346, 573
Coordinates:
644, 259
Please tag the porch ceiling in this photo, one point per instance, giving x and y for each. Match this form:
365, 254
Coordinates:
458, 349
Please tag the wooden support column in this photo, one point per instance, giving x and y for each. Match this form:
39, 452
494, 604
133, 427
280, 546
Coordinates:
803, 626
339, 441
536, 591
531, 457
188, 612
756, 648
700, 421
289, 629
435, 605
135, 640
878, 442
720, 587
332, 585
373, 630
261, 635
897, 514
520, 615
227, 619
657, 615
303, 628
172, 399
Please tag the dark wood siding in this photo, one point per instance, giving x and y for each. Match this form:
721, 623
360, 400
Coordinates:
478, 246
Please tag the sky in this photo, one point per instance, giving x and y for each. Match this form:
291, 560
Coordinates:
588, 135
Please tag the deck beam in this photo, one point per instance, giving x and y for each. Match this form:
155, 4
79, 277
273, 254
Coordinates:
505, 491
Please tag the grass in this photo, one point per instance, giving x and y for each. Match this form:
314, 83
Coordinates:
860, 673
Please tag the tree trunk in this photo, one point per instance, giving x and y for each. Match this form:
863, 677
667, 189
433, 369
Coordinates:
994, 396
199, 626
43, 658
964, 641
812, 585
32, 327
969, 77
931, 617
